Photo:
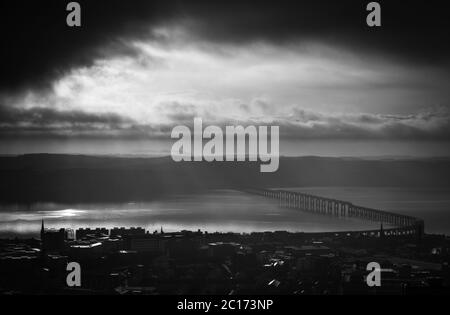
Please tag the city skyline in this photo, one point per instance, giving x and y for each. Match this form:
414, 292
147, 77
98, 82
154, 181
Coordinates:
234, 154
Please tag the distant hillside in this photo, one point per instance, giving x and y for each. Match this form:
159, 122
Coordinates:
69, 178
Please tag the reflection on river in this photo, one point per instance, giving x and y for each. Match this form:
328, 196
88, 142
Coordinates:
224, 211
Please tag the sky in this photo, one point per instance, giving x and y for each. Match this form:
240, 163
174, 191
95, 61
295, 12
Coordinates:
136, 69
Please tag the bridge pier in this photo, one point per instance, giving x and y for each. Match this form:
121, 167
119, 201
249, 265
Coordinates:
405, 225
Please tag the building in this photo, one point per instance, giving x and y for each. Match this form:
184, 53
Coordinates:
149, 243
53, 240
91, 233
122, 232
83, 250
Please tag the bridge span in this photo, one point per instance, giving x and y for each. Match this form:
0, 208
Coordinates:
399, 225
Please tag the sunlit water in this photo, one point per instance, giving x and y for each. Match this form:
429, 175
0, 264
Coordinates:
224, 211
230, 211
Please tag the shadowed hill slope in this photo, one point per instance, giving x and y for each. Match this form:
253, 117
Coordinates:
71, 178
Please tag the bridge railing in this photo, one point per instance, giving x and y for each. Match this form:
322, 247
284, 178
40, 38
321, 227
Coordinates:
311, 203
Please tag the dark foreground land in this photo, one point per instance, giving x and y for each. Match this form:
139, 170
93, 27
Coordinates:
70, 178
133, 261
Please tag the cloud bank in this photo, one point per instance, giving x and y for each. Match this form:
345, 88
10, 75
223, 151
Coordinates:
296, 123
134, 71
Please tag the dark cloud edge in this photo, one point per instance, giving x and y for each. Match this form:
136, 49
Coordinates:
41, 48
18, 123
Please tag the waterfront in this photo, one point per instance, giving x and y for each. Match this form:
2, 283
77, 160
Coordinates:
221, 210
229, 211
430, 204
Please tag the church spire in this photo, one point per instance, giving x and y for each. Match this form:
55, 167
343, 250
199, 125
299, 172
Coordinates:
42, 229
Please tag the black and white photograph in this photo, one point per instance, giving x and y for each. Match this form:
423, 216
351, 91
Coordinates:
233, 149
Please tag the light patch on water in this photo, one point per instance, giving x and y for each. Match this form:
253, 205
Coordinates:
66, 213
222, 210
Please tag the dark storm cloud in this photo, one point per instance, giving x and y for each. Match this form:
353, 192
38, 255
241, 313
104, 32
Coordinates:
37, 119
416, 28
37, 46
40, 122
433, 124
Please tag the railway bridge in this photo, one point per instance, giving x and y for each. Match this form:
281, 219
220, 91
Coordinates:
399, 224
